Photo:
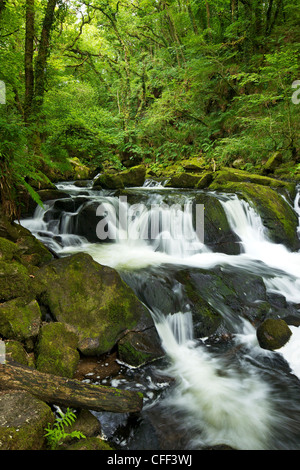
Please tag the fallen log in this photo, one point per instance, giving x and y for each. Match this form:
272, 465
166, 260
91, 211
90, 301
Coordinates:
62, 391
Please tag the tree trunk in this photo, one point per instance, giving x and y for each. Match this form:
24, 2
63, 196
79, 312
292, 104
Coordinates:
68, 392
41, 61
29, 74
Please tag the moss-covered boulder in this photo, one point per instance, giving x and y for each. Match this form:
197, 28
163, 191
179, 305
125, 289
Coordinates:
92, 300
23, 419
133, 177
15, 280
273, 334
227, 175
189, 180
79, 170
109, 181
277, 215
56, 350
20, 320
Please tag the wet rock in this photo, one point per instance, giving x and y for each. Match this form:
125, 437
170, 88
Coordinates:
92, 300
23, 419
218, 236
14, 280
273, 334
138, 348
56, 350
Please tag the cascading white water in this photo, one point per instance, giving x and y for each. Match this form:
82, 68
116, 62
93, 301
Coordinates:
222, 405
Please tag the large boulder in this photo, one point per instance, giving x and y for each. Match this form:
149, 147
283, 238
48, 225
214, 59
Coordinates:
133, 177
109, 181
227, 175
56, 350
23, 419
190, 180
277, 215
91, 300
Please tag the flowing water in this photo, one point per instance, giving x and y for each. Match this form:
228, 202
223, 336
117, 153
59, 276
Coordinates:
202, 393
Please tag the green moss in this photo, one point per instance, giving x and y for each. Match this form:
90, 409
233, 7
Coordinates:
91, 299
135, 176
227, 175
16, 351
20, 320
57, 350
91, 443
273, 334
8, 249
14, 280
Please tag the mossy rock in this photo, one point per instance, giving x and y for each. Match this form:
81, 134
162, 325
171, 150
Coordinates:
189, 180
91, 299
20, 320
8, 249
79, 170
32, 252
138, 348
273, 334
56, 350
133, 177
15, 351
196, 165
277, 215
109, 181
227, 175
15, 280
23, 419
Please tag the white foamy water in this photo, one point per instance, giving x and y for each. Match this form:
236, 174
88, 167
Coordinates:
222, 405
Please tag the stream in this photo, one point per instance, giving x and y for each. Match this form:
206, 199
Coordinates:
207, 391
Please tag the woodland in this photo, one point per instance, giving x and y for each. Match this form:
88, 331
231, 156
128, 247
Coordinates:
151, 81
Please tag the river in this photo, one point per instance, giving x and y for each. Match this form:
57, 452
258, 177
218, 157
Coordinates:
203, 393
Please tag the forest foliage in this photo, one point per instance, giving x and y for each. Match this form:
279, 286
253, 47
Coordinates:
156, 81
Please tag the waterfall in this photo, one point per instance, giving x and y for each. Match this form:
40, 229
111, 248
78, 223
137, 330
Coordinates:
221, 403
